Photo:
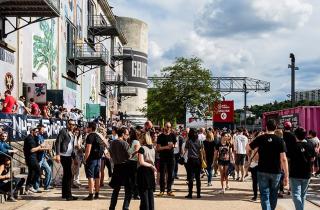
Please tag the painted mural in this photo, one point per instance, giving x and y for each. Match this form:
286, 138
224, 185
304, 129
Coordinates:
45, 53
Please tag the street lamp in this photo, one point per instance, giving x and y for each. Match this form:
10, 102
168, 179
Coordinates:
293, 68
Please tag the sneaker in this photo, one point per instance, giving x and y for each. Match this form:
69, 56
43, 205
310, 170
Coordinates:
11, 199
227, 188
46, 190
72, 198
31, 189
215, 175
170, 194
209, 184
238, 178
161, 194
89, 198
188, 196
222, 191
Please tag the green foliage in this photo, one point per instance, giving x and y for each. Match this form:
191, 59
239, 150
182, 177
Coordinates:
44, 50
188, 87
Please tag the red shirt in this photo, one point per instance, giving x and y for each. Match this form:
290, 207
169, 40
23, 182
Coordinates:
10, 101
35, 109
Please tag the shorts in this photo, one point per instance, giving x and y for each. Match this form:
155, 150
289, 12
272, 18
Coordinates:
240, 159
223, 162
92, 169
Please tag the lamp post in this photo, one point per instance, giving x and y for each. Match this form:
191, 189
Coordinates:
293, 68
245, 104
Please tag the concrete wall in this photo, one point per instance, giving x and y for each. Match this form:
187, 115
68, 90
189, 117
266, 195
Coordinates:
136, 32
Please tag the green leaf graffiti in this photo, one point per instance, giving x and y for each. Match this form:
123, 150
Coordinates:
44, 50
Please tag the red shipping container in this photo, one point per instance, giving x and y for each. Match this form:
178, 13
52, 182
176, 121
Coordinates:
307, 117
224, 112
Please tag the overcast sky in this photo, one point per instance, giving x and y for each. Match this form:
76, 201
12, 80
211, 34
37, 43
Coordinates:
251, 38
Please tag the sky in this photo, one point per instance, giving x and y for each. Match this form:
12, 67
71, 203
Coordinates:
251, 38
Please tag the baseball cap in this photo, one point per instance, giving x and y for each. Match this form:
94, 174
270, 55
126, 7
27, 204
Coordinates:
287, 125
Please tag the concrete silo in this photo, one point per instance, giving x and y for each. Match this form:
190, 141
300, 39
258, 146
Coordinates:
135, 94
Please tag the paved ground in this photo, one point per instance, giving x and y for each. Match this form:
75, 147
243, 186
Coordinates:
236, 198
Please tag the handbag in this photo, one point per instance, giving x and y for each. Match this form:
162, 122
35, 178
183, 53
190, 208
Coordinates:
203, 157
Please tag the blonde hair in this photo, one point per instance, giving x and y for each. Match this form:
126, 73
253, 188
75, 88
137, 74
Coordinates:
210, 136
145, 139
279, 133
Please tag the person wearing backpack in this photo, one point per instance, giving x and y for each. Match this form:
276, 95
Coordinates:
93, 153
301, 155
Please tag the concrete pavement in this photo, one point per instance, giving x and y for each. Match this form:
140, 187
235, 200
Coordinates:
235, 198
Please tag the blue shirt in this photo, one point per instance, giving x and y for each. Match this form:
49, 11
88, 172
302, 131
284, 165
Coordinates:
4, 147
41, 154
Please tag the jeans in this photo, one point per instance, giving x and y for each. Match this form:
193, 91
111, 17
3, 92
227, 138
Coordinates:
299, 188
127, 197
47, 181
166, 166
176, 164
268, 187
17, 183
254, 175
67, 178
209, 170
194, 169
33, 172
146, 200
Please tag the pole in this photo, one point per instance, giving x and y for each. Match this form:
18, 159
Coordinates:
293, 68
245, 105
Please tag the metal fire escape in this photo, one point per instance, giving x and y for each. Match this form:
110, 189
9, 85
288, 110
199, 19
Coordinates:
229, 85
21, 13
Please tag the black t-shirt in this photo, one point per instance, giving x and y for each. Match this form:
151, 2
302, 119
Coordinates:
224, 151
269, 148
300, 160
164, 140
209, 147
30, 143
290, 141
94, 140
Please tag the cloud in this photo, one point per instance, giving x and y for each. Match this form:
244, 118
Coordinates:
220, 18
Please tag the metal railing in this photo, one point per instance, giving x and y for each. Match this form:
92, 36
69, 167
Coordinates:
101, 21
112, 77
84, 50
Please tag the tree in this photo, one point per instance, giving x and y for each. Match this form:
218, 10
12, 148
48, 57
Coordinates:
187, 86
45, 52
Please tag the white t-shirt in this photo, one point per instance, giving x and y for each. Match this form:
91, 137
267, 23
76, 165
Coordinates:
185, 152
240, 143
21, 109
69, 151
201, 137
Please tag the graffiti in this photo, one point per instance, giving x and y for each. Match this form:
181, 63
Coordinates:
8, 81
19, 126
45, 52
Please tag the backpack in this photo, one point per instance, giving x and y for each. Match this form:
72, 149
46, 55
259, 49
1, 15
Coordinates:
98, 151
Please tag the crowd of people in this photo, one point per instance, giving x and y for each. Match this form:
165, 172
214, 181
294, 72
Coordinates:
140, 158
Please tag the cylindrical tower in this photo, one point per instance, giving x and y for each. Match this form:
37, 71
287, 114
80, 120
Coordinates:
136, 33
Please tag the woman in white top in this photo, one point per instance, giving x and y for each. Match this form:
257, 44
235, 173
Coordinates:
133, 162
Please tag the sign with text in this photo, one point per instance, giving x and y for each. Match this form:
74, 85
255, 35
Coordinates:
224, 112
19, 126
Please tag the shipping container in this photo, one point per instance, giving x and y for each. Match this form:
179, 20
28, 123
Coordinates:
307, 117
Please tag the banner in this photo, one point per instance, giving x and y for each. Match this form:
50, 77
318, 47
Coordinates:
19, 126
224, 112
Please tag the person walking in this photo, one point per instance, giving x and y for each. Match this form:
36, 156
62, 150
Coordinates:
193, 146
240, 143
92, 158
301, 156
272, 158
165, 146
133, 162
64, 147
209, 146
146, 172
119, 151
224, 154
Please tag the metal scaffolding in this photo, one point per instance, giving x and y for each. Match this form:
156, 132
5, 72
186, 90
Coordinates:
229, 85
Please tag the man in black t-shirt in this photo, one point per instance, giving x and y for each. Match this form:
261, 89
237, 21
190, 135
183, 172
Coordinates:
30, 149
272, 159
302, 154
92, 161
165, 146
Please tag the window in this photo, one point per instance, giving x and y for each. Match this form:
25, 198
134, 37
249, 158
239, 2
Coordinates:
70, 39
